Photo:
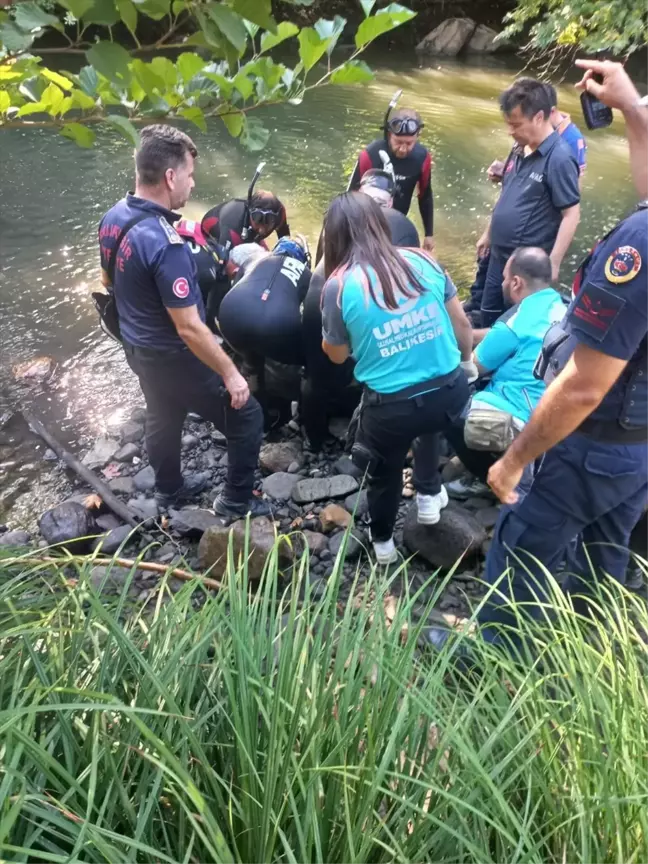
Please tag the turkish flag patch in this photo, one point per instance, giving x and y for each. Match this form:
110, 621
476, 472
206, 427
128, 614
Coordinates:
595, 310
181, 288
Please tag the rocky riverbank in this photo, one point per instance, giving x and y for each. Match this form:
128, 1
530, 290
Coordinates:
316, 500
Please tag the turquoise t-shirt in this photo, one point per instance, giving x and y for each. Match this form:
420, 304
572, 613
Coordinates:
510, 351
393, 349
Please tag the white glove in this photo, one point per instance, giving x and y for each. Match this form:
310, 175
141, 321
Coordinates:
470, 369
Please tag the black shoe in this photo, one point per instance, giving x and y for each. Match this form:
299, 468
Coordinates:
255, 507
191, 487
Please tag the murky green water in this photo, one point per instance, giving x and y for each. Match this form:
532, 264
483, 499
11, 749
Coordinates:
54, 194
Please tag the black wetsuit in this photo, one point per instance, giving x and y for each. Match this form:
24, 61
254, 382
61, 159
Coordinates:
210, 268
412, 170
229, 224
403, 231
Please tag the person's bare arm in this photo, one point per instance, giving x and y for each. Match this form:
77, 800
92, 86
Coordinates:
461, 327
483, 244
479, 334
566, 232
336, 353
105, 280
568, 400
201, 342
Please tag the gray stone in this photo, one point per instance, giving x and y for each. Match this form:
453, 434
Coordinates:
321, 489
109, 543
346, 465
353, 545
487, 518
50, 455
280, 485
107, 521
213, 546
144, 508
357, 502
122, 485
68, 524
218, 438
478, 503
482, 41
224, 461
188, 441
293, 468
127, 453
449, 38
101, 453
131, 432
108, 579
144, 480
456, 534
138, 415
274, 458
193, 522
15, 538
317, 543
166, 553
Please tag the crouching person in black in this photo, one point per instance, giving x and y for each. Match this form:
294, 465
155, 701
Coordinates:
179, 364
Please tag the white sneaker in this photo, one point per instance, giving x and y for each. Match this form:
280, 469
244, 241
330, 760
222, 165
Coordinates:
386, 551
430, 507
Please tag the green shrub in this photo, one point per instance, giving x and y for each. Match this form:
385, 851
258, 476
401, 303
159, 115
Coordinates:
258, 729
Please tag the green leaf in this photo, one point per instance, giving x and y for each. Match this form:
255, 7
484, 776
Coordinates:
244, 85
102, 12
82, 100
147, 77
111, 61
30, 16
233, 119
52, 98
311, 47
195, 116
155, 9
229, 24
387, 19
89, 80
189, 64
78, 133
165, 70
300, 2
257, 11
128, 14
331, 30
352, 72
367, 6
78, 8
285, 30
5, 101
124, 125
225, 86
178, 6
13, 38
255, 135
56, 78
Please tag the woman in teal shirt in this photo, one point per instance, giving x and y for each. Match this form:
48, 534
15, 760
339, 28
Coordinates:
396, 311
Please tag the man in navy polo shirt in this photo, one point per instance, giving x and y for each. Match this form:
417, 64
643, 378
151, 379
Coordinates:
540, 200
180, 365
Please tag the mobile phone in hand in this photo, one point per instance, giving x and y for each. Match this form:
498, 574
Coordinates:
596, 114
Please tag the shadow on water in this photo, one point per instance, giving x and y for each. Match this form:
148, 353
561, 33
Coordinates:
54, 195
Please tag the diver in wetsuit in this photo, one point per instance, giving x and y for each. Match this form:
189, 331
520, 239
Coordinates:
246, 221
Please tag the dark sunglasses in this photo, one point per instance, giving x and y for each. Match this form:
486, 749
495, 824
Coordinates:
406, 126
264, 217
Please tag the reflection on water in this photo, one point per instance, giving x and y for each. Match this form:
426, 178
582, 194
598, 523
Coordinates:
54, 195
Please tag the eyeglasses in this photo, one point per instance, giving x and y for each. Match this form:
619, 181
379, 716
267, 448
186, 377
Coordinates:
264, 217
405, 126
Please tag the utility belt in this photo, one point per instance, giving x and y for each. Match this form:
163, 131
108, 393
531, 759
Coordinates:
372, 397
610, 432
160, 354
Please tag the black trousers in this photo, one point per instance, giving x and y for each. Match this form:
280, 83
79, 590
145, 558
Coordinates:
492, 303
174, 383
477, 462
387, 431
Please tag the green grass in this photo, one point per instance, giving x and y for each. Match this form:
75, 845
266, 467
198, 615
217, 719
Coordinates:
263, 730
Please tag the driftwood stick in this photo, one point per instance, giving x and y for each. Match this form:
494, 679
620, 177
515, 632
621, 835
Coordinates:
151, 566
109, 499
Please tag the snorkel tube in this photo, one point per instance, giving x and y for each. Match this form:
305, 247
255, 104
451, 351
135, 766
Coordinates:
250, 192
390, 108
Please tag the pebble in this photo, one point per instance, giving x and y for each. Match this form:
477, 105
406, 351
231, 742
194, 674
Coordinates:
353, 545
144, 508
346, 465
109, 543
15, 538
49, 455
144, 480
122, 485
218, 438
131, 432
107, 521
357, 502
127, 453
293, 468
101, 453
188, 441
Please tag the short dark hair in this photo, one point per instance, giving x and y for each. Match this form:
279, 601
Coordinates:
530, 95
379, 178
551, 92
267, 202
161, 147
533, 265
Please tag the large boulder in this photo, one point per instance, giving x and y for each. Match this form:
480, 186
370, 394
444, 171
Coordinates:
324, 488
449, 38
213, 546
279, 457
482, 41
69, 524
457, 533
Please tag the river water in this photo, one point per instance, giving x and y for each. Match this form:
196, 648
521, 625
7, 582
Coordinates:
53, 195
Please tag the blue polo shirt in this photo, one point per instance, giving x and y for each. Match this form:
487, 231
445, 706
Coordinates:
393, 348
535, 191
154, 271
610, 315
510, 350
573, 137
